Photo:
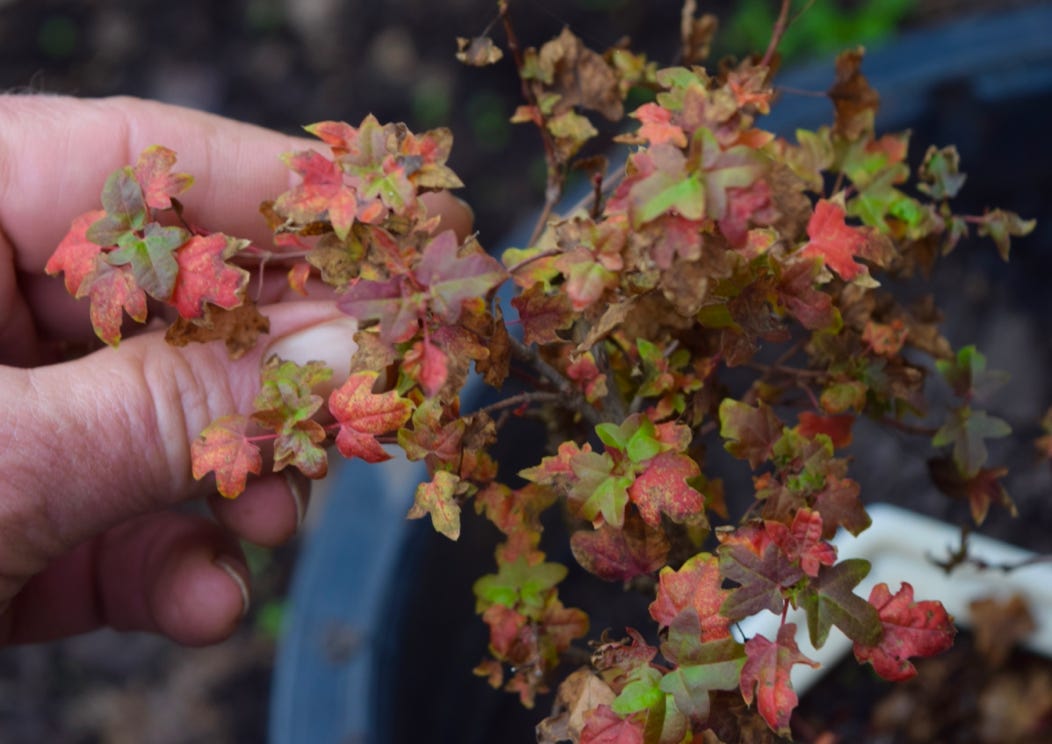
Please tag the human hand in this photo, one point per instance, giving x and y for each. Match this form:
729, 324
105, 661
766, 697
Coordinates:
94, 451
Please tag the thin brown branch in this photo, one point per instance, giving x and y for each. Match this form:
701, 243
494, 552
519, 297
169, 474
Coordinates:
569, 394
522, 399
776, 34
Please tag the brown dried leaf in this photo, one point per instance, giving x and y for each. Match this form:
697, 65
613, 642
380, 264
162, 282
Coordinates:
856, 103
580, 76
999, 626
239, 327
479, 51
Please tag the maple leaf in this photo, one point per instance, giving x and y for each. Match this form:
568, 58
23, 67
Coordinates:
662, 185
940, 173
829, 600
750, 433
153, 172
621, 554
151, 258
663, 488
837, 427
885, 339
428, 365
910, 629
834, 241
604, 726
224, 449
967, 430
394, 303
761, 575
206, 277
640, 691
75, 255
240, 328
701, 668
363, 415
695, 586
797, 293
112, 291
855, 101
657, 127
437, 498
285, 404
599, 489
1002, 226
431, 436
452, 279
542, 315
765, 676
478, 51
125, 209
979, 490
520, 585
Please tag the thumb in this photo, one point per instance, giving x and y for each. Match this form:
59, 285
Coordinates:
90, 443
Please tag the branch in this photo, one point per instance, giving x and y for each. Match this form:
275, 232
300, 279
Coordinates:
566, 390
776, 35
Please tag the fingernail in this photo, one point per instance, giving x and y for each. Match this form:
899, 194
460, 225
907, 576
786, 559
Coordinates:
227, 565
331, 342
299, 487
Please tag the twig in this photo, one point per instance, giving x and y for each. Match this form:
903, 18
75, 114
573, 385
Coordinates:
921, 431
569, 394
527, 261
776, 34
522, 399
556, 175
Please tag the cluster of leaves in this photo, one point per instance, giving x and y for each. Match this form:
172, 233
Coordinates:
716, 242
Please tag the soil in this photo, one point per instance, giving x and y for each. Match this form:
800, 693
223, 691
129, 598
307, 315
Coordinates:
283, 63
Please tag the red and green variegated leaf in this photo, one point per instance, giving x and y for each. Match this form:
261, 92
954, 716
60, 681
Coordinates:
604, 726
765, 676
621, 554
224, 449
696, 586
910, 629
749, 432
663, 488
363, 415
206, 276
151, 258
153, 171
297, 445
437, 498
393, 303
112, 292
285, 398
452, 279
761, 575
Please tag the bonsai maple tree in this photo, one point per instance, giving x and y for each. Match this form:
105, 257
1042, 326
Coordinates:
717, 246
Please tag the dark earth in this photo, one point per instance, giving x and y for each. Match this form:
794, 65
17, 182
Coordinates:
285, 63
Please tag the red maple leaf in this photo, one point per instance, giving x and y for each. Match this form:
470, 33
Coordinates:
153, 171
837, 428
765, 676
452, 279
75, 255
363, 415
621, 554
835, 241
697, 586
657, 126
606, 727
663, 489
206, 276
112, 291
910, 629
224, 449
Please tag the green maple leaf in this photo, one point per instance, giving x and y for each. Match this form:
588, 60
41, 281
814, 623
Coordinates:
125, 207
967, 430
151, 258
939, 173
600, 490
701, 667
437, 498
829, 600
520, 585
635, 438
642, 691
662, 185
224, 449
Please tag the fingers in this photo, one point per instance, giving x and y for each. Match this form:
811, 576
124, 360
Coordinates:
269, 512
168, 573
90, 443
235, 166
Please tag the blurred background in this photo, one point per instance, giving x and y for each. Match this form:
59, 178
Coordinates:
283, 64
